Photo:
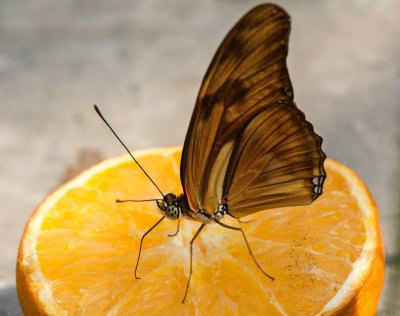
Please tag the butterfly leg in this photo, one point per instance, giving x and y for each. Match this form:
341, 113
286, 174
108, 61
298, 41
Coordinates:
141, 242
239, 220
247, 244
191, 256
244, 222
177, 230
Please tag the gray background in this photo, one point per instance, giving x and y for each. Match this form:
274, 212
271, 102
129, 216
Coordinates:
142, 62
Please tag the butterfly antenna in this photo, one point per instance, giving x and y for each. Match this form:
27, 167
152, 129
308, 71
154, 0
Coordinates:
122, 201
104, 120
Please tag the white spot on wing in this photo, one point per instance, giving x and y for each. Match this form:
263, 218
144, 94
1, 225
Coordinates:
317, 181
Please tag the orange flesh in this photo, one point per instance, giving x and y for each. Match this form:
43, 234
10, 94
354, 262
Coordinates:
88, 244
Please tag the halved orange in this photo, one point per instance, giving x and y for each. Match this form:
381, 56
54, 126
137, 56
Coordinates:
79, 249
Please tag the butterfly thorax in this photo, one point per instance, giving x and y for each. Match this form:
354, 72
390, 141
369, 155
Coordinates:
176, 206
200, 214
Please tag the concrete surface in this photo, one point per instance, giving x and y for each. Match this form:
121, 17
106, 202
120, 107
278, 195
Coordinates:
142, 62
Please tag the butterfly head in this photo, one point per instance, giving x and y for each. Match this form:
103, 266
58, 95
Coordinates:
170, 207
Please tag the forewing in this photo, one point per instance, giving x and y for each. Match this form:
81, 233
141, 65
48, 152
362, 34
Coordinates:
246, 80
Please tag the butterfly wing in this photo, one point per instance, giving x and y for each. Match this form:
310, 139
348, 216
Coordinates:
277, 161
247, 141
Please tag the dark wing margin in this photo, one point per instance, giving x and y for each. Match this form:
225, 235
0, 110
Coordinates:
245, 130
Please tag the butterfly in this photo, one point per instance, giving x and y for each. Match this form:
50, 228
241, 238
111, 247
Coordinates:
248, 147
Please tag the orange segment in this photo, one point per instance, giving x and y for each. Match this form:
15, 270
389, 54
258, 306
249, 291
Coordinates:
79, 249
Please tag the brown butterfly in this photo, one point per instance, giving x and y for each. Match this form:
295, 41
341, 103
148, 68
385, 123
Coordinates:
248, 147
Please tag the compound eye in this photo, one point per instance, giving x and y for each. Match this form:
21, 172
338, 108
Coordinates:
173, 212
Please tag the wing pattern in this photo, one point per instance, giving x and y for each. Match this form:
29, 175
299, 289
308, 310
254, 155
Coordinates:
247, 141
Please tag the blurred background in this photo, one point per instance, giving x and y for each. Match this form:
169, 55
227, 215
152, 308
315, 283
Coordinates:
142, 62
